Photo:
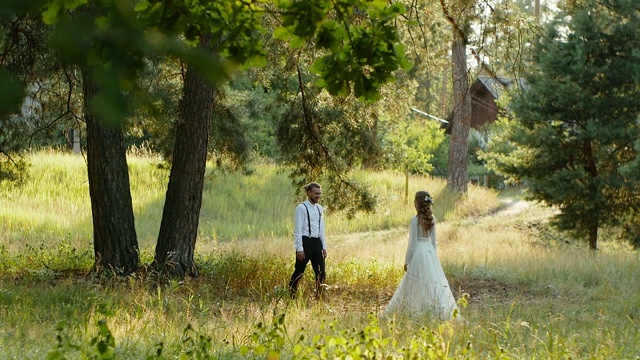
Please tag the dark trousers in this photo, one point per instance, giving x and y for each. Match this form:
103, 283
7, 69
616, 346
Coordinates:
312, 252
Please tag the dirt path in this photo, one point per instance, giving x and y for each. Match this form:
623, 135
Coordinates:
513, 207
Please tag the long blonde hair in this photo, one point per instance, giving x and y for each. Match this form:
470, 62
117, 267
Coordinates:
424, 206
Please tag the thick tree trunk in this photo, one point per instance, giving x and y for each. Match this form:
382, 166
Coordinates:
457, 176
444, 95
174, 255
114, 237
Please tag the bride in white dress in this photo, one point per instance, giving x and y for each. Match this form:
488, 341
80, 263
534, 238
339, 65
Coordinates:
424, 289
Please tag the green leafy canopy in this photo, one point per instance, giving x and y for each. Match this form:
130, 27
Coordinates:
361, 44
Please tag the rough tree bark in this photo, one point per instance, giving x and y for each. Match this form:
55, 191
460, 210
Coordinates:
457, 176
174, 256
114, 237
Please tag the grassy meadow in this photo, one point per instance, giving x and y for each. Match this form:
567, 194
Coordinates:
526, 292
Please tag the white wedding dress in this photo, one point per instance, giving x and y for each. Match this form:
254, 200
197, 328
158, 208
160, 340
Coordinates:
424, 289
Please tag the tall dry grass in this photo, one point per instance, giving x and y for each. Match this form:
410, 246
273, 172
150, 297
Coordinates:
532, 294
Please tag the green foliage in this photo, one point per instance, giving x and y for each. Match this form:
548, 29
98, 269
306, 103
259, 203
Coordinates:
30, 114
157, 95
238, 22
63, 344
486, 140
230, 144
577, 118
153, 27
11, 90
362, 44
253, 104
195, 346
157, 90
441, 158
411, 145
501, 153
101, 347
112, 39
12, 170
349, 49
56, 8
267, 341
369, 342
325, 141
273, 341
103, 344
107, 43
111, 42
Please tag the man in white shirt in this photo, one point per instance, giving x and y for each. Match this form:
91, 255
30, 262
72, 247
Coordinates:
308, 239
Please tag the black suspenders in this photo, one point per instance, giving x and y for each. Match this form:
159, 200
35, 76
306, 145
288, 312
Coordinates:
309, 220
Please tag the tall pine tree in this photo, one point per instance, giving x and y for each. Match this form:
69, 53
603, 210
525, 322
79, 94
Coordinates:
577, 118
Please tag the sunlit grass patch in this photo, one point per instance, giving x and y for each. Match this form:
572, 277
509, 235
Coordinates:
531, 294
